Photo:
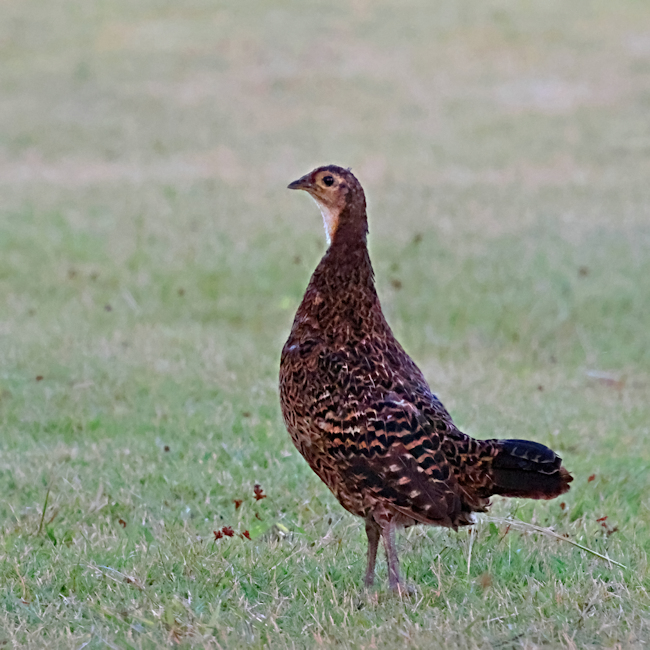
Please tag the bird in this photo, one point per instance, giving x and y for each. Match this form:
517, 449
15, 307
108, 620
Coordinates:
363, 416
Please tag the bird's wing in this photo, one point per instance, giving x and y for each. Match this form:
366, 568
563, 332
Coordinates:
390, 452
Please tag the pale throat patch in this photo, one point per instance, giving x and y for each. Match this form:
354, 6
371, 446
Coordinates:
330, 219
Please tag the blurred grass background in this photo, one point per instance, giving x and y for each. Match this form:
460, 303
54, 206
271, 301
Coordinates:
151, 261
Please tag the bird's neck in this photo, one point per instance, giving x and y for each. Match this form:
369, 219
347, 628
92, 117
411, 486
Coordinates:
346, 264
341, 300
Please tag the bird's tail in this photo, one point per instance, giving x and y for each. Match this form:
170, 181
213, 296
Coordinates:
521, 468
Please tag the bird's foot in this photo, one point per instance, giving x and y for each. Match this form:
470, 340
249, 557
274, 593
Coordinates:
404, 589
367, 596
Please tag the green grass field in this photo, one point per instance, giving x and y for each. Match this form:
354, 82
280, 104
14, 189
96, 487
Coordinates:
151, 261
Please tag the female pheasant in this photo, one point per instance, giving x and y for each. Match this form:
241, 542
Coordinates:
361, 412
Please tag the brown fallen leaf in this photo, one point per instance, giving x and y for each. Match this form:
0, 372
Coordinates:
485, 580
132, 580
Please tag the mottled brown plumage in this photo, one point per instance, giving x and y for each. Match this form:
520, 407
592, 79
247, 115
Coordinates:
361, 412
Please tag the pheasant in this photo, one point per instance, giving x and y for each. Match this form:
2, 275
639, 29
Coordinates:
362, 414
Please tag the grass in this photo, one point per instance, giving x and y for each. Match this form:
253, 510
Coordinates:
151, 262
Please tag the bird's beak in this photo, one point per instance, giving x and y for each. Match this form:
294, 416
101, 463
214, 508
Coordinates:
303, 183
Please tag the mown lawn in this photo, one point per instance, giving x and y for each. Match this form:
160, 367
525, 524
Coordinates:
151, 261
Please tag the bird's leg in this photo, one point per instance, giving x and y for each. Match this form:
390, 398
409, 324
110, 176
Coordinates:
388, 534
373, 531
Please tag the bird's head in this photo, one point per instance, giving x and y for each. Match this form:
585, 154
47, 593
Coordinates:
337, 193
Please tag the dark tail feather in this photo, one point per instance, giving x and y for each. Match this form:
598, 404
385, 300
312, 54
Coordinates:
527, 469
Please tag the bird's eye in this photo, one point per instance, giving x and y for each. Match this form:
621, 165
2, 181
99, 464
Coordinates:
329, 181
